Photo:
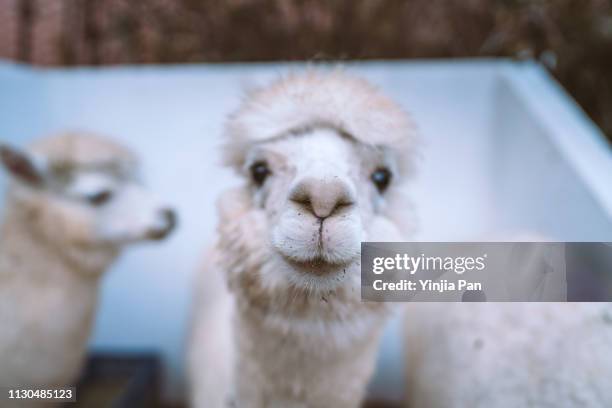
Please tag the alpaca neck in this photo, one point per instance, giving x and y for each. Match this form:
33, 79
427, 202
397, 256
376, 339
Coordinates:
28, 252
298, 347
49, 304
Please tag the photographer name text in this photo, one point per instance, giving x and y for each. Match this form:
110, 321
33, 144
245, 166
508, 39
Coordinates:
426, 285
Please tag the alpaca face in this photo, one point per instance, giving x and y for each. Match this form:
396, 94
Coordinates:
102, 205
322, 193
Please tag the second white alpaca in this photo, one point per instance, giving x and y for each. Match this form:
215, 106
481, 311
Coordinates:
279, 321
505, 355
73, 204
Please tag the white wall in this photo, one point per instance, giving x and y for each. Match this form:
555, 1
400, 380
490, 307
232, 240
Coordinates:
483, 147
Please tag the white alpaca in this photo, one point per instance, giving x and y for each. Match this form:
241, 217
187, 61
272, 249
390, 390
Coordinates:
73, 203
279, 321
498, 355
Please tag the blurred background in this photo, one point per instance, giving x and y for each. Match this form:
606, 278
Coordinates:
572, 38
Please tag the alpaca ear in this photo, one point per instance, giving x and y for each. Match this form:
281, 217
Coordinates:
23, 166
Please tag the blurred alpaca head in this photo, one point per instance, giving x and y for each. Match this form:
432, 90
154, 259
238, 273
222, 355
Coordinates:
83, 191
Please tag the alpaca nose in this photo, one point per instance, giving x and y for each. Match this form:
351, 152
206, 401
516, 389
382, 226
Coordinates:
169, 220
170, 217
322, 197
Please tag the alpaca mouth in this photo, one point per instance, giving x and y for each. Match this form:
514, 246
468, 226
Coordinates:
318, 265
317, 250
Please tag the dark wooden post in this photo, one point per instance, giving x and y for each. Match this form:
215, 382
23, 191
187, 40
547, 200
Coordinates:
91, 31
26, 13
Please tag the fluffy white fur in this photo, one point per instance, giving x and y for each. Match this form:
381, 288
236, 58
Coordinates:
340, 101
498, 355
279, 321
73, 203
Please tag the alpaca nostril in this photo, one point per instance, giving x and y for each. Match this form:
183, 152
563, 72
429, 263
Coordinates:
303, 201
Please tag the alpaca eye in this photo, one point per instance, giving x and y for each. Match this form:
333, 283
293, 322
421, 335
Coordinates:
381, 178
100, 198
259, 172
